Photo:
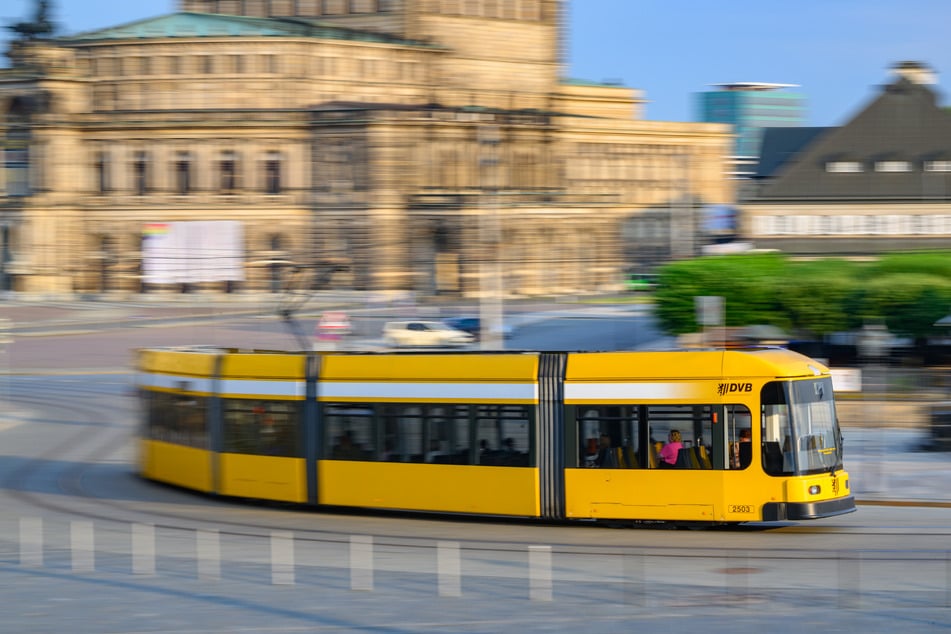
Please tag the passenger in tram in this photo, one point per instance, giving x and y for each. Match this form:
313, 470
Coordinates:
669, 452
607, 457
436, 451
589, 454
345, 449
510, 454
389, 451
486, 454
788, 458
267, 431
745, 449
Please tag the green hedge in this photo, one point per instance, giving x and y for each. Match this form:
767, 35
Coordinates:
908, 292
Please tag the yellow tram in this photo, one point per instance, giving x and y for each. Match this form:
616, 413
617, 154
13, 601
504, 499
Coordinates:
554, 435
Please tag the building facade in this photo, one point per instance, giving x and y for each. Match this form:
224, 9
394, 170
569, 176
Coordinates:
403, 143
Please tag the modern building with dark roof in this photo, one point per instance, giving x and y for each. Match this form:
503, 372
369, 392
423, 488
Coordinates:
881, 182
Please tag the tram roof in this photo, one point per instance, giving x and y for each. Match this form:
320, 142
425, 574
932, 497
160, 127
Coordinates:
502, 365
693, 364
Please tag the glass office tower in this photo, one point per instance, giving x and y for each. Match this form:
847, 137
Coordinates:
749, 107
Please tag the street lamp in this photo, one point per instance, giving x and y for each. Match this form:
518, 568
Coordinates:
490, 278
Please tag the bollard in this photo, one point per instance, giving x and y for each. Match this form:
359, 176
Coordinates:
208, 549
82, 544
31, 541
361, 562
143, 549
449, 569
539, 573
282, 558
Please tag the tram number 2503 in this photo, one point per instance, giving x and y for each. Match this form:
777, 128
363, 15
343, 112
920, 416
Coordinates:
741, 508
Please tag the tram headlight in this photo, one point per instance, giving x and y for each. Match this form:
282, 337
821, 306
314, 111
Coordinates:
815, 489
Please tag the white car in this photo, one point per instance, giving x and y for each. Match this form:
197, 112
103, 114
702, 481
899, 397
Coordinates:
424, 333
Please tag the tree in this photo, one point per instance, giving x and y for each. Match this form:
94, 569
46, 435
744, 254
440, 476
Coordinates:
746, 282
816, 296
908, 303
908, 292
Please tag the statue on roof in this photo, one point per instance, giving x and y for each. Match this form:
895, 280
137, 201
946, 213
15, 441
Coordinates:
41, 26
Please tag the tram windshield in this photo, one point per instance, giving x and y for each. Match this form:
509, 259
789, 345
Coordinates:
800, 431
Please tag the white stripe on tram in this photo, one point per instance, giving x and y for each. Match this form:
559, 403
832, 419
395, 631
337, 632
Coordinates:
464, 391
263, 388
622, 391
173, 382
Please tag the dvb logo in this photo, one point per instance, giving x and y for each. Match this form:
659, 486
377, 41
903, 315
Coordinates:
730, 388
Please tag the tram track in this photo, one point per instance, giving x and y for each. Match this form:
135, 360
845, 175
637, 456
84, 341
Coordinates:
82, 496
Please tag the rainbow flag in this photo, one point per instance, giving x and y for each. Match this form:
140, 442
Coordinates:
155, 229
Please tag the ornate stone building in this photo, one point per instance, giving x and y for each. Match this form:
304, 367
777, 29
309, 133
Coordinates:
408, 140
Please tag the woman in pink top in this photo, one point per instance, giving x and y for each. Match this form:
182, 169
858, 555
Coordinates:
668, 454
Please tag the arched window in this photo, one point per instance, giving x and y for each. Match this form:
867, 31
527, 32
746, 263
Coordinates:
363, 6
308, 8
103, 172
272, 173
255, 8
183, 173
140, 173
106, 257
228, 172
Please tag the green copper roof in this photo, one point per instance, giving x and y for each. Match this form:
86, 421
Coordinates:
192, 25
568, 81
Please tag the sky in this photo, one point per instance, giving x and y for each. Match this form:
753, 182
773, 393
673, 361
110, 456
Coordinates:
836, 51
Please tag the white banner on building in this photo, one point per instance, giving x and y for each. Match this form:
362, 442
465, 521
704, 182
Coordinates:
189, 252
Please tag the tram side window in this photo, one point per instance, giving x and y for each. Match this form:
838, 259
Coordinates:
402, 433
778, 451
348, 431
179, 419
447, 434
261, 427
505, 434
433, 433
694, 427
609, 437
739, 425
